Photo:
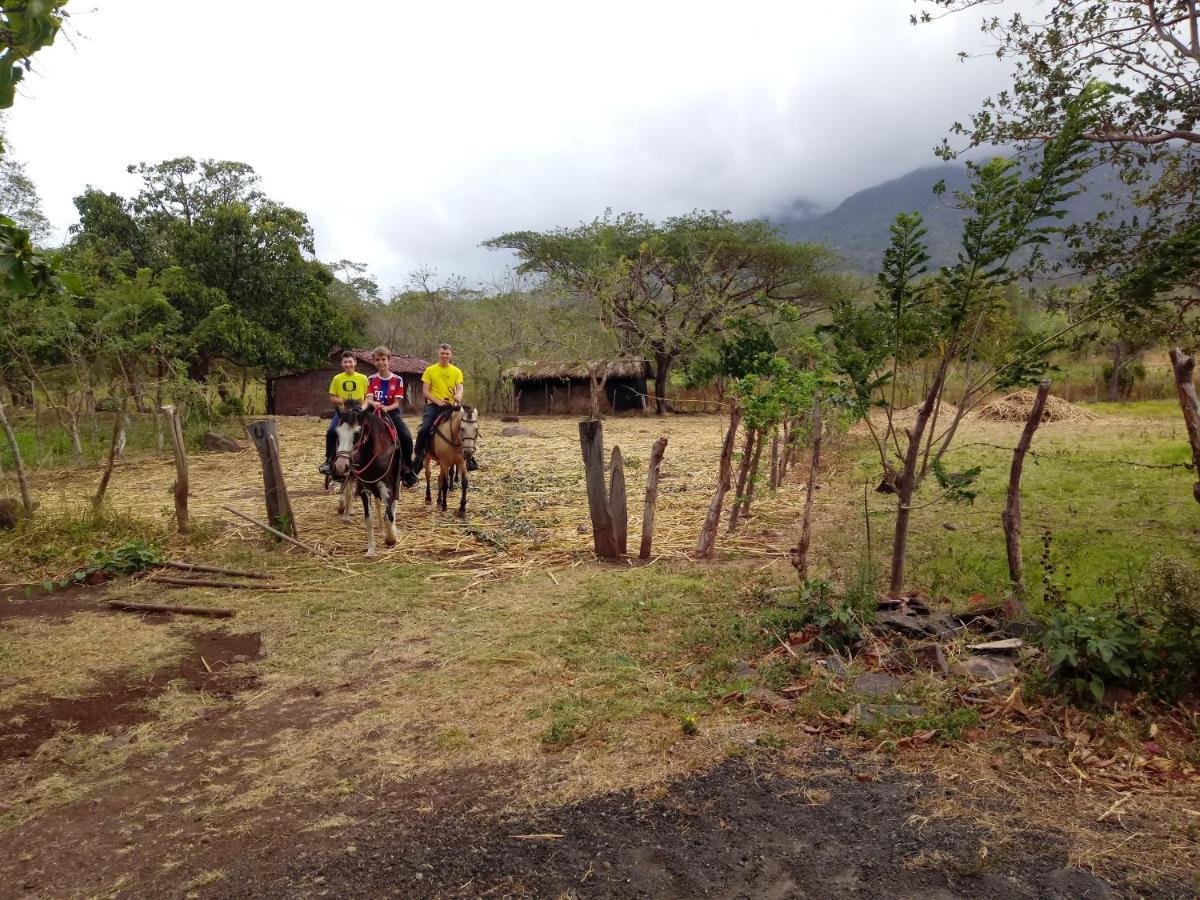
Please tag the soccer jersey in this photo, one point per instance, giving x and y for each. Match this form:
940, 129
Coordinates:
349, 387
442, 380
386, 391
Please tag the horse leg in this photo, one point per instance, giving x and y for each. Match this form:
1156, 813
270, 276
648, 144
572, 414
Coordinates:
388, 501
344, 499
371, 551
462, 474
428, 475
443, 487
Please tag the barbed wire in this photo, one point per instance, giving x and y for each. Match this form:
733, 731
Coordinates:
1087, 460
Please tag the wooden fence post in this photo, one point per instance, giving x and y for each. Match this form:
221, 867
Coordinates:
708, 533
1011, 515
617, 502
800, 553
279, 508
1184, 367
656, 458
114, 450
604, 532
181, 469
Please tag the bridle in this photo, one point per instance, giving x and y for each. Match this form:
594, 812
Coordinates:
359, 471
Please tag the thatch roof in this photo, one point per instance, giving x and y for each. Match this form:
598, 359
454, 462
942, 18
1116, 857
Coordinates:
554, 371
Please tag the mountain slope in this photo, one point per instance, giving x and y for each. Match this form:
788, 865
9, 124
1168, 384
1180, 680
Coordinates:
858, 227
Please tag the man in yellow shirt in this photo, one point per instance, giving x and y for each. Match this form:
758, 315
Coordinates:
442, 385
346, 385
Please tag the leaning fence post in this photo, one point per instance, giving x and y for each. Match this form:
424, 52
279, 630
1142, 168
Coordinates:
656, 458
181, 469
279, 508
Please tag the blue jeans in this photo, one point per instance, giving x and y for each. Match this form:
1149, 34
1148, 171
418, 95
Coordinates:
331, 438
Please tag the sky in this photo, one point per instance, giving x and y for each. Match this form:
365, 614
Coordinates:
411, 132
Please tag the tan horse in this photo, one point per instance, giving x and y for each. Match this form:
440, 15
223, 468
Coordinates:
451, 442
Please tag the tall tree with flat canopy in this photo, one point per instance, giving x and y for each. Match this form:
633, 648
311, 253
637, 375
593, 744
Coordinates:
665, 287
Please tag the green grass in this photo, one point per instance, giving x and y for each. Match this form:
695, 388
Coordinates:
1106, 518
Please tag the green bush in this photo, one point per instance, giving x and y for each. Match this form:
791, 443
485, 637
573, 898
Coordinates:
839, 622
1150, 642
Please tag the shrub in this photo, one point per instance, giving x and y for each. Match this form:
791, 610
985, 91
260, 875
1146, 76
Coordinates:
839, 622
1150, 642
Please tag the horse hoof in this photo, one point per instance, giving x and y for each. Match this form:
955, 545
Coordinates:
391, 542
461, 514
372, 555
349, 520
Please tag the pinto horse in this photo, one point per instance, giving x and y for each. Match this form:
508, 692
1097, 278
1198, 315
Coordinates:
367, 453
451, 442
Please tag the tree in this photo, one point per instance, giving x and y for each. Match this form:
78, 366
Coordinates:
235, 265
19, 198
960, 309
1147, 54
664, 288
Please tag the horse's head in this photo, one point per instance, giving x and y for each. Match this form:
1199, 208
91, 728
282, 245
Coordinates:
469, 430
350, 425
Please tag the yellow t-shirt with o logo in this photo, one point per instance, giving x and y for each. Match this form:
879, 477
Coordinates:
442, 380
349, 387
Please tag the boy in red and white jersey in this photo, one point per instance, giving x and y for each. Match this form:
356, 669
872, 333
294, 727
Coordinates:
385, 392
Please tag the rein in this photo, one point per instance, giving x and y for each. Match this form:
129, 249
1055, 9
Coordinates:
358, 472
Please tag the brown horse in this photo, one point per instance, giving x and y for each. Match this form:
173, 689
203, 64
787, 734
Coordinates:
451, 442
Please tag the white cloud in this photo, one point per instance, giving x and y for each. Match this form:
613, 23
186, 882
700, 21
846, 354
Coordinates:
410, 132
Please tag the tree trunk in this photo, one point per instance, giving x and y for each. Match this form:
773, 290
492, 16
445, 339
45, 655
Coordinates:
1011, 516
181, 469
743, 474
656, 458
800, 553
906, 483
1184, 367
617, 502
591, 441
279, 506
662, 370
1114, 378
752, 481
708, 533
117, 434
774, 482
18, 463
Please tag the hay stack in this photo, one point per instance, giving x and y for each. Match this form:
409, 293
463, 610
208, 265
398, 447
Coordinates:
1015, 407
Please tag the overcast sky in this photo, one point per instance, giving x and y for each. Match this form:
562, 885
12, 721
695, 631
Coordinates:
411, 132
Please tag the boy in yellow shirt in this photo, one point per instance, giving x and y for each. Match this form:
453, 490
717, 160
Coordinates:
348, 385
442, 385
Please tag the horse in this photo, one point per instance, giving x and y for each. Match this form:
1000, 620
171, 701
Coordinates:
367, 455
451, 449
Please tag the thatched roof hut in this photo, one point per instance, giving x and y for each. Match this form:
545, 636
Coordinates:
556, 388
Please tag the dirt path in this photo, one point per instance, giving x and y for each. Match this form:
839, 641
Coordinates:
825, 826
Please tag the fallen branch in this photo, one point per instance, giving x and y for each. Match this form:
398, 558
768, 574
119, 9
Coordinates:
126, 606
200, 582
217, 570
279, 534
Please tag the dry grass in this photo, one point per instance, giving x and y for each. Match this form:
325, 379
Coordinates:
1017, 406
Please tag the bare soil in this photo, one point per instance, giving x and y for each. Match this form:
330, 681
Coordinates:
831, 827
35, 602
119, 700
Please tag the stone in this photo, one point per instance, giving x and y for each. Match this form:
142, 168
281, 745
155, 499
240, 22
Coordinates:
582, 528
769, 700
11, 512
933, 658
1007, 645
219, 443
944, 629
515, 431
1040, 738
834, 666
115, 743
876, 684
240, 658
1075, 884
901, 622
743, 669
984, 668
1028, 630
871, 713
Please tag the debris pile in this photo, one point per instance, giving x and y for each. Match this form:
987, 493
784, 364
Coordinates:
1017, 406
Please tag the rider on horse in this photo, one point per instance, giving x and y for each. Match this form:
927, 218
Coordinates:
442, 385
348, 385
385, 392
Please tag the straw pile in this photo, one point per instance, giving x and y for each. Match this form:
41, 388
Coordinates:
526, 507
1017, 406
